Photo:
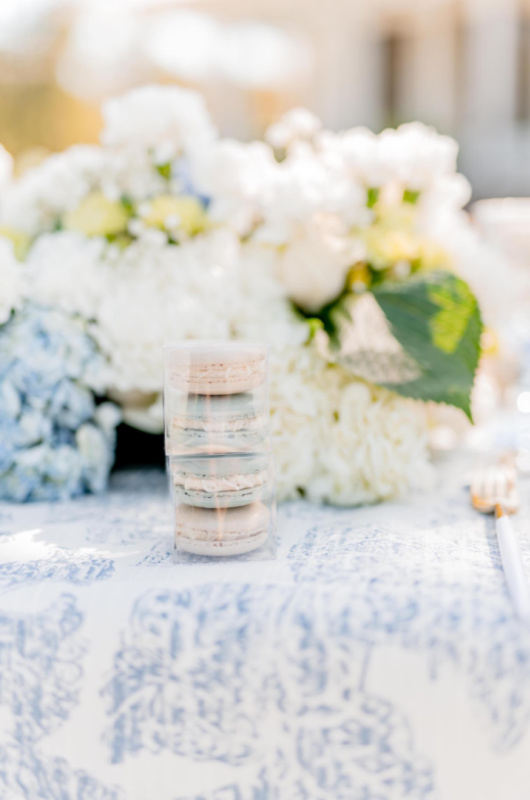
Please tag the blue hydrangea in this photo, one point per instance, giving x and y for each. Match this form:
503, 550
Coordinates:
55, 442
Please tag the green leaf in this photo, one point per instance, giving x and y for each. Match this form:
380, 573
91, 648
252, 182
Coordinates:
436, 319
332, 318
411, 196
164, 170
372, 196
127, 203
315, 325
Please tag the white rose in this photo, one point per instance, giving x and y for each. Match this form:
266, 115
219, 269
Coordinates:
313, 267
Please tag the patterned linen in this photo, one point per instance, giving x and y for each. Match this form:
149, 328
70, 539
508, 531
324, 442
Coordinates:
377, 659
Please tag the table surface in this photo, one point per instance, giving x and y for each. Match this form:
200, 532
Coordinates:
377, 658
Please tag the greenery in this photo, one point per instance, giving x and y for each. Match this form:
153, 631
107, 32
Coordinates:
410, 196
436, 320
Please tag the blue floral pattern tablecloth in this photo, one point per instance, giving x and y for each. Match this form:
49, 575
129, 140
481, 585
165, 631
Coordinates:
376, 659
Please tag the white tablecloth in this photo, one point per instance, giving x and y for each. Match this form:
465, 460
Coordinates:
376, 659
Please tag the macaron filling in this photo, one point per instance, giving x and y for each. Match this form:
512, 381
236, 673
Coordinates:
229, 483
215, 425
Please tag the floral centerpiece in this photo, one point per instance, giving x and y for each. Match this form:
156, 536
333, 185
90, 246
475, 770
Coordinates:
345, 251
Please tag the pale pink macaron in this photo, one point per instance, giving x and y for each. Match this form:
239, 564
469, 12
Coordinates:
221, 532
214, 368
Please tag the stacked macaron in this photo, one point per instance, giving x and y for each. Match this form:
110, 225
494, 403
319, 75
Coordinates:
217, 424
218, 447
228, 482
225, 532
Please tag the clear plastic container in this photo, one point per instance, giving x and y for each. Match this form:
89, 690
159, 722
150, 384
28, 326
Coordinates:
216, 398
224, 506
217, 432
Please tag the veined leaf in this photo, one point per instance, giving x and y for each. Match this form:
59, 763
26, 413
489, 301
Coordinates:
436, 319
420, 337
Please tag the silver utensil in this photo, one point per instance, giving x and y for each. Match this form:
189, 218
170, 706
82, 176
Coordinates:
494, 490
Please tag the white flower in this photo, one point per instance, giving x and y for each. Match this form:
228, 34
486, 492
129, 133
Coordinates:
416, 155
38, 199
359, 150
304, 184
158, 117
296, 124
192, 287
306, 216
373, 447
339, 440
11, 285
313, 266
236, 176
130, 171
446, 195
65, 269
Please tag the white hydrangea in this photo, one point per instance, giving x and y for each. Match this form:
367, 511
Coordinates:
34, 202
66, 269
306, 184
236, 176
358, 152
168, 119
415, 155
188, 291
129, 172
338, 440
412, 157
11, 284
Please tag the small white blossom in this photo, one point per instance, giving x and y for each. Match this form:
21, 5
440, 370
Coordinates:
359, 151
158, 117
236, 177
416, 155
36, 201
339, 440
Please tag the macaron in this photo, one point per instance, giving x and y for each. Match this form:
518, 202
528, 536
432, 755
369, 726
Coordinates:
216, 424
221, 532
217, 368
221, 482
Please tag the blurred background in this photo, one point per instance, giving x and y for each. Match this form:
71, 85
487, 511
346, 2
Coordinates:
461, 65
